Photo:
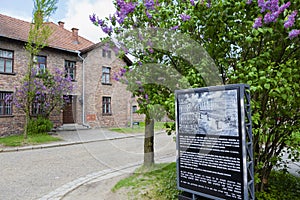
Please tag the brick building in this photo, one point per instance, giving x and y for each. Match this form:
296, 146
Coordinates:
97, 101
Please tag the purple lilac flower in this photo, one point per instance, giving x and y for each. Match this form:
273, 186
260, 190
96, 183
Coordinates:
291, 19
122, 72
106, 29
284, 6
93, 18
270, 17
125, 9
115, 77
257, 23
100, 22
149, 43
192, 2
121, 18
273, 5
185, 17
138, 82
294, 33
151, 50
149, 4
146, 96
148, 15
175, 27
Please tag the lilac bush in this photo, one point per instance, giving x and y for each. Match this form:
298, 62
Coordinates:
47, 90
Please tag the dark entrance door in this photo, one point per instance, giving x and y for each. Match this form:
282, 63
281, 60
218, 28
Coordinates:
68, 115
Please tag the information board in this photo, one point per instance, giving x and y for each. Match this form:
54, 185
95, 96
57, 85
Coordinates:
211, 139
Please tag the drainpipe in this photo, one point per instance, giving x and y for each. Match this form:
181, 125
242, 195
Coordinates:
83, 91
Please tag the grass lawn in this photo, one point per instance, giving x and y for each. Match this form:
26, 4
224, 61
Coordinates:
156, 183
159, 183
18, 140
158, 126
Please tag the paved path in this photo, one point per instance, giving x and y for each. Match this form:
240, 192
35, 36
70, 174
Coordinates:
42, 172
85, 165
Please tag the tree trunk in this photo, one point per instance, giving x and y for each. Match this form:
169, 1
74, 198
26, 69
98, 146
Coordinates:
27, 119
149, 142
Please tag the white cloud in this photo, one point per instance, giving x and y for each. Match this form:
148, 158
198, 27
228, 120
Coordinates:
77, 16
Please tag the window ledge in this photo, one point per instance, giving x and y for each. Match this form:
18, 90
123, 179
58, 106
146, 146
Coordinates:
106, 114
106, 84
4, 73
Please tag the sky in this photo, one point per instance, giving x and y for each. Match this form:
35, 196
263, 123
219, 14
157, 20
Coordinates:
75, 14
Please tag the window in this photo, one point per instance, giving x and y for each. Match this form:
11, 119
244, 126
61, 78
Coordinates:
106, 105
134, 109
106, 75
5, 106
70, 68
106, 53
6, 61
38, 105
40, 62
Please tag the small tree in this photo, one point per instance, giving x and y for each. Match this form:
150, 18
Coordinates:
37, 40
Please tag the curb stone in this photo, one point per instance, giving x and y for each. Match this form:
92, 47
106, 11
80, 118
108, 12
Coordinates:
52, 145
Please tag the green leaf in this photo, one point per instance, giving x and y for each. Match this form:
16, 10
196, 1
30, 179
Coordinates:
267, 86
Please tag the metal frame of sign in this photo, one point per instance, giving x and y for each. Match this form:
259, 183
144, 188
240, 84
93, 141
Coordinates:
214, 142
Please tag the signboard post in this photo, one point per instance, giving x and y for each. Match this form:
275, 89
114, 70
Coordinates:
214, 142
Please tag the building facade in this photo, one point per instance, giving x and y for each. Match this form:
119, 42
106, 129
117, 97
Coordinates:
97, 101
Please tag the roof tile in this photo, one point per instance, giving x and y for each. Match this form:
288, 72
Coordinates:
60, 38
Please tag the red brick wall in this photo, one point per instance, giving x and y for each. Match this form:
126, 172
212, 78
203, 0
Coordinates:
120, 97
55, 58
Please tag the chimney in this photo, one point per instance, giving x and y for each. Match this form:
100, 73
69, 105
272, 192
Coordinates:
75, 35
61, 24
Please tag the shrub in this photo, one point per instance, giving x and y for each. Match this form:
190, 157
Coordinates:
39, 125
282, 185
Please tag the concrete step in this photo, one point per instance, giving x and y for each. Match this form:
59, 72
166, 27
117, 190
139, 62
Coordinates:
72, 127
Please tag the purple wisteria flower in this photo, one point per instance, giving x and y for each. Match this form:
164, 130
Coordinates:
294, 33
257, 23
291, 19
185, 17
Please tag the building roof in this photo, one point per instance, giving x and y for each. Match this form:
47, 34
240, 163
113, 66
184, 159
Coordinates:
61, 38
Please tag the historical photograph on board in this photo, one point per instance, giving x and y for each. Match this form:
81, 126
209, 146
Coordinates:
209, 112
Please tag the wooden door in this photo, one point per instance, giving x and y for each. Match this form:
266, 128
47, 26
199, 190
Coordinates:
68, 114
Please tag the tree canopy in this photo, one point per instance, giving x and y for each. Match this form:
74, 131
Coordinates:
253, 42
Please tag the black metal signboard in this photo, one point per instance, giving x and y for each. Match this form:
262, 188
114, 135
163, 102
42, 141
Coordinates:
214, 142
